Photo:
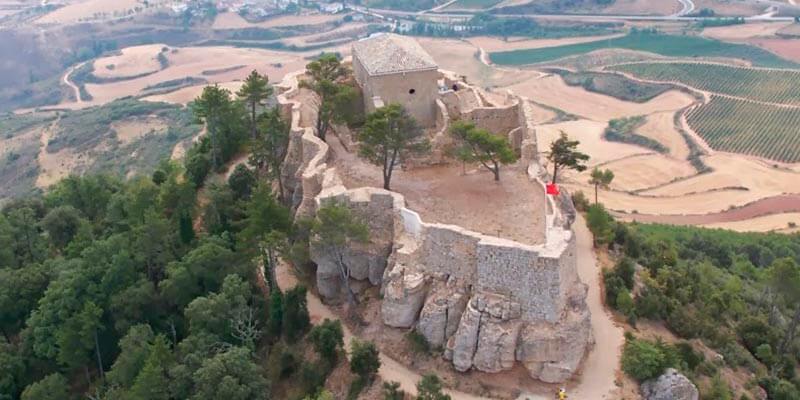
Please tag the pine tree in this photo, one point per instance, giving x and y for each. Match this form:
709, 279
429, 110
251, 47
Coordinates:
254, 91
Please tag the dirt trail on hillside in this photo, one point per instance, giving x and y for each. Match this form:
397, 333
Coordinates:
73, 86
597, 380
598, 371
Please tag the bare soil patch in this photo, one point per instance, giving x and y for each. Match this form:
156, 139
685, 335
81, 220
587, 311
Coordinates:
791, 30
129, 131
736, 183
781, 204
590, 134
643, 7
55, 166
191, 62
92, 10
746, 31
645, 171
552, 91
464, 58
133, 61
766, 223
661, 127
509, 209
786, 48
230, 20
188, 94
759, 178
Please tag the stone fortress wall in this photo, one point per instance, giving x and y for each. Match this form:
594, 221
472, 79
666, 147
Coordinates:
487, 301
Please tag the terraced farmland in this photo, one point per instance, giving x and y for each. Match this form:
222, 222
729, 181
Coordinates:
665, 45
745, 127
773, 86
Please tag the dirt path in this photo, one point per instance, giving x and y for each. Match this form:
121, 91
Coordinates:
69, 83
597, 380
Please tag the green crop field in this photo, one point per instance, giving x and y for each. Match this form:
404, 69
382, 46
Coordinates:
667, 45
744, 127
772, 86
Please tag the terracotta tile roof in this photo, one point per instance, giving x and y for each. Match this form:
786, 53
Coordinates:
389, 53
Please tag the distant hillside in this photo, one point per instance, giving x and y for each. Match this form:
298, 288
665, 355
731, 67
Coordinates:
121, 138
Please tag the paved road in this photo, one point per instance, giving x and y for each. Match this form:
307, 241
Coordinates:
688, 8
466, 15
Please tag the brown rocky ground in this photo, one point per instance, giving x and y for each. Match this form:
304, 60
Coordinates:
452, 194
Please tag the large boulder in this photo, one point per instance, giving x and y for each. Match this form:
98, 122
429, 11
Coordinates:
442, 311
553, 352
404, 290
487, 334
670, 386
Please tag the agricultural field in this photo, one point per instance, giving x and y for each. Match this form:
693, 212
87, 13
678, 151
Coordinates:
665, 45
772, 86
614, 85
745, 127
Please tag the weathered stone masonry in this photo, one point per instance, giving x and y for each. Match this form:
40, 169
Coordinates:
489, 302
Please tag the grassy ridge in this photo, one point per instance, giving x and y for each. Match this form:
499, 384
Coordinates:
667, 45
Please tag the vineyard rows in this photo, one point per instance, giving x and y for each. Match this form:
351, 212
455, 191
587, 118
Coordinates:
772, 86
745, 127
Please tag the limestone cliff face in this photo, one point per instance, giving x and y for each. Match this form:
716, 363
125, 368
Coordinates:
486, 301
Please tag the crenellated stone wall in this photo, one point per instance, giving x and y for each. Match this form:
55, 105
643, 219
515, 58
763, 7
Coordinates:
489, 302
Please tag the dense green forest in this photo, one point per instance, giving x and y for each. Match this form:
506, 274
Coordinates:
164, 286
737, 292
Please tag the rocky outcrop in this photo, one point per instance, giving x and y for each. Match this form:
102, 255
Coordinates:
486, 338
552, 352
489, 301
672, 385
442, 311
364, 261
404, 292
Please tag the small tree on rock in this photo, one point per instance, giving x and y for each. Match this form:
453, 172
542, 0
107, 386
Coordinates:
389, 134
325, 74
334, 230
564, 155
482, 146
600, 178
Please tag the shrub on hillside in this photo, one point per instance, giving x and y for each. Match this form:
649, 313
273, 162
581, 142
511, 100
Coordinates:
643, 360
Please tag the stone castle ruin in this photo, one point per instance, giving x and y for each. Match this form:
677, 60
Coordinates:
487, 301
